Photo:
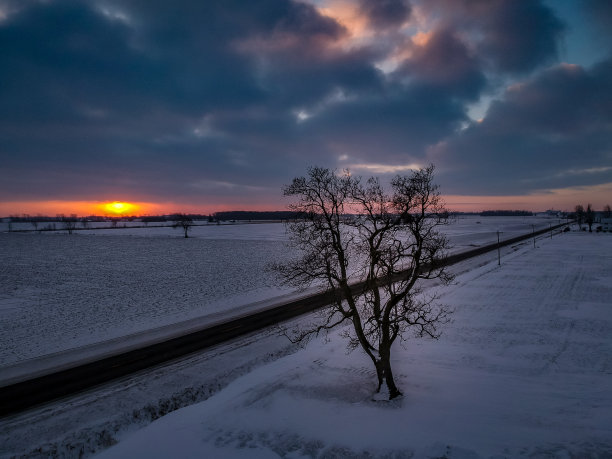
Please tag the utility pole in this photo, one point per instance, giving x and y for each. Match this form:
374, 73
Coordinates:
498, 253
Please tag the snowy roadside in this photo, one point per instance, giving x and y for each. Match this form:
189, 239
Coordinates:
89, 422
524, 368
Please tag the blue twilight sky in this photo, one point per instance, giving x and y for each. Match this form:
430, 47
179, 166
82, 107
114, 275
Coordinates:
197, 105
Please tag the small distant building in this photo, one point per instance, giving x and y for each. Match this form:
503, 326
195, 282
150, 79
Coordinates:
555, 213
551, 213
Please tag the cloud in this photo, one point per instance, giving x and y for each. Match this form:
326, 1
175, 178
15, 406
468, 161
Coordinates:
97, 96
600, 11
513, 36
386, 13
225, 100
445, 64
552, 130
384, 168
599, 22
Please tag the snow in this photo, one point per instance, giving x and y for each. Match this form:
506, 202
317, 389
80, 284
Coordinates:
59, 292
63, 296
223, 230
524, 370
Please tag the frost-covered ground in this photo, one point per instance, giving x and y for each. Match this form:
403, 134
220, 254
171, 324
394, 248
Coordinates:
61, 292
525, 370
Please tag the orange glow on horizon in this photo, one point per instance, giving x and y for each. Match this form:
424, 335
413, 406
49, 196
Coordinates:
119, 208
560, 199
79, 208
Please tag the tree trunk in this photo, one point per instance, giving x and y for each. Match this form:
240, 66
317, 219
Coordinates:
385, 376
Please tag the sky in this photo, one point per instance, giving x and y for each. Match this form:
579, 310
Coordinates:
192, 106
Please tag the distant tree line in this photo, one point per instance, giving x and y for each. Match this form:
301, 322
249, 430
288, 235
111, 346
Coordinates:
506, 213
254, 215
589, 216
25, 218
175, 217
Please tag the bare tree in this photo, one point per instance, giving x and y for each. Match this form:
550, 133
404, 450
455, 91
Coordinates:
370, 249
579, 214
183, 221
589, 217
69, 223
606, 211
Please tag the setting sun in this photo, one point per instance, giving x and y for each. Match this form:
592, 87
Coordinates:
119, 208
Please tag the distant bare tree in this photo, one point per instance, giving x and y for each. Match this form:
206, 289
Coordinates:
34, 223
579, 214
352, 231
84, 223
606, 211
589, 217
69, 223
183, 221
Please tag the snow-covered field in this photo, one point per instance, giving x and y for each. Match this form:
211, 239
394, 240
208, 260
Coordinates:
60, 292
525, 370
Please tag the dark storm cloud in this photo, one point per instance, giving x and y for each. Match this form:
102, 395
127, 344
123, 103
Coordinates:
385, 13
600, 11
514, 36
119, 88
421, 102
393, 129
599, 15
550, 132
69, 52
445, 65
521, 36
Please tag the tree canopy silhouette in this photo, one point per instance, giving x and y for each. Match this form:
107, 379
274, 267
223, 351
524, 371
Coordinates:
371, 249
